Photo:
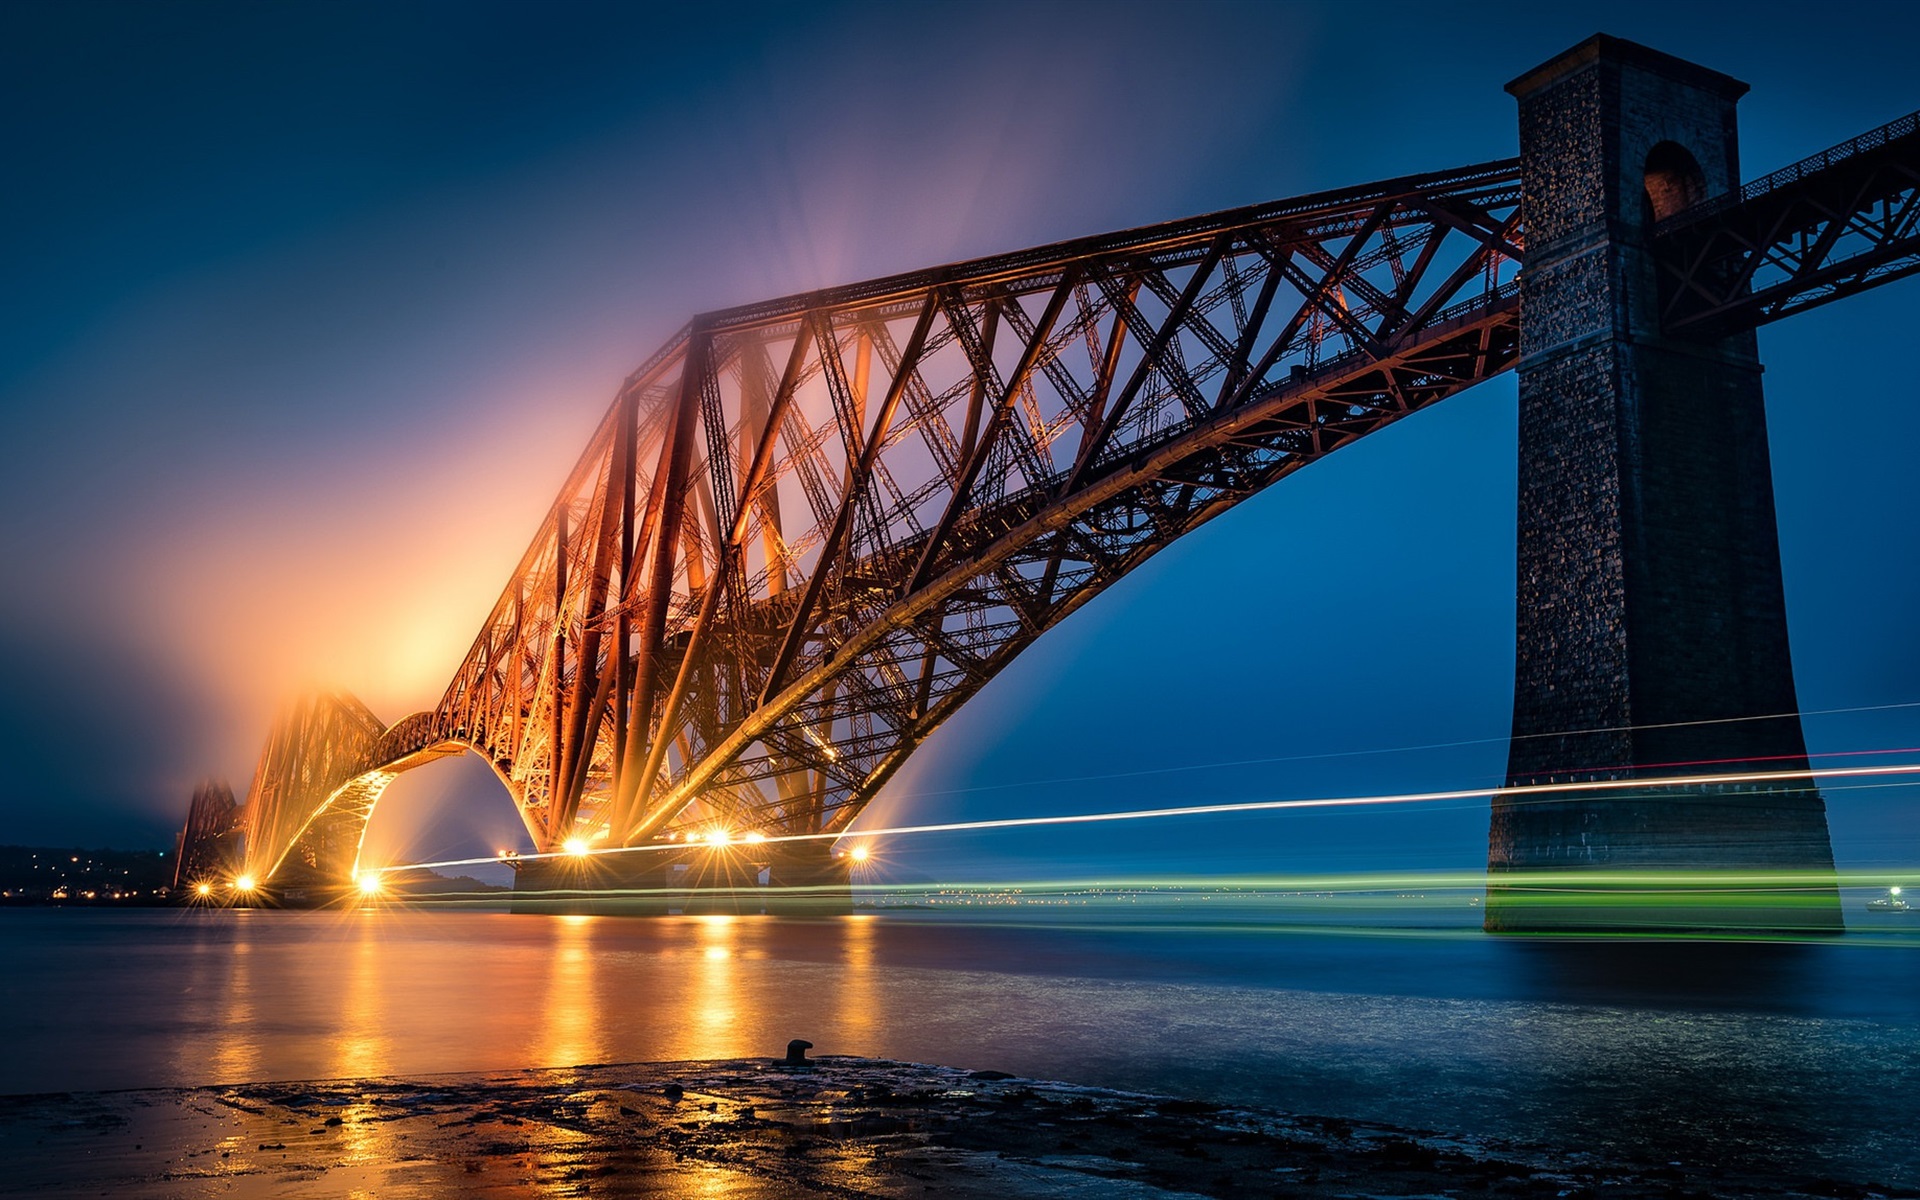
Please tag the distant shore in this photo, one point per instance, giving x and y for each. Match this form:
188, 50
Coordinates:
761, 1128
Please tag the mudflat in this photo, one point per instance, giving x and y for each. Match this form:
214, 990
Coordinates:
760, 1128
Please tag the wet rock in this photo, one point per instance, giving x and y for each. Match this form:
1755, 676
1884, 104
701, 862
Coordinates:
797, 1052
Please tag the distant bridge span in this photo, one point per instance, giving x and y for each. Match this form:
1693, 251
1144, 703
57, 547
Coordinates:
808, 530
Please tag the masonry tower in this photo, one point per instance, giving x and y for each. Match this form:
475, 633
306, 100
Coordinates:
1652, 635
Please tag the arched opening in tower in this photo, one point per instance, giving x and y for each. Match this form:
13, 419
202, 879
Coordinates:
1674, 181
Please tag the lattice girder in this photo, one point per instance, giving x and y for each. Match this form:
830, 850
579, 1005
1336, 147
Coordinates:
316, 746
808, 530
816, 526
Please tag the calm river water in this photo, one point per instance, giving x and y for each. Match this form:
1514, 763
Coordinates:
1795, 1057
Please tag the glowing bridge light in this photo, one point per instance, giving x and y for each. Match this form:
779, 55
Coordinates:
203, 889
718, 838
369, 882
575, 846
245, 883
754, 837
860, 853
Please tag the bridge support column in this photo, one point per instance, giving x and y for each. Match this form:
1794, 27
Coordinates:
1652, 636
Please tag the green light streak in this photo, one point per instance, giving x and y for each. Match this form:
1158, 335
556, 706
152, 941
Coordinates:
1200, 907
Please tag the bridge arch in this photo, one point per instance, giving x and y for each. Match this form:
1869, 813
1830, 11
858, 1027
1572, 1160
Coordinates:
327, 765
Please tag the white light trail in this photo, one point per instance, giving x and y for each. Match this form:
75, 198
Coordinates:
1541, 790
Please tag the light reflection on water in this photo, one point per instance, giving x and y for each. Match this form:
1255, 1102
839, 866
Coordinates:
1797, 1056
361, 1048
235, 1053
568, 1025
714, 1017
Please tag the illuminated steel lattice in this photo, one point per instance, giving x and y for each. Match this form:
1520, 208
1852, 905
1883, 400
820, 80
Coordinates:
808, 530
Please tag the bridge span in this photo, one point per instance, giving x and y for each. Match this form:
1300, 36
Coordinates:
809, 529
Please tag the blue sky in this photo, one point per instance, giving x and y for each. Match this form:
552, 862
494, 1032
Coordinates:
308, 309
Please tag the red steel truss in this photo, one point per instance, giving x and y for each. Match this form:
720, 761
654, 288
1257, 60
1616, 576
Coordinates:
209, 844
808, 530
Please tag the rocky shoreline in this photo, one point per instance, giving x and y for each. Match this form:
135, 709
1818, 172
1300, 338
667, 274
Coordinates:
757, 1129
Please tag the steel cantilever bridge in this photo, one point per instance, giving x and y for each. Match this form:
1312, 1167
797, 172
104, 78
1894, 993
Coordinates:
810, 529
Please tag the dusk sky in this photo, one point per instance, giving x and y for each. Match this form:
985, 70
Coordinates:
307, 309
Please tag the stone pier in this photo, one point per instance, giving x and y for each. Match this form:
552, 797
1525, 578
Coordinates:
1652, 633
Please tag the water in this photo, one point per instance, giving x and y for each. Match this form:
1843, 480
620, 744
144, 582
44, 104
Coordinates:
1776, 1058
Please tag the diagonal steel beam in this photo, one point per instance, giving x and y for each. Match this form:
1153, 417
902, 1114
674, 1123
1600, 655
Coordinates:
963, 485
1091, 448
856, 485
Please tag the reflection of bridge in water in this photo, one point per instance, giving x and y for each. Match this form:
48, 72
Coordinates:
810, 529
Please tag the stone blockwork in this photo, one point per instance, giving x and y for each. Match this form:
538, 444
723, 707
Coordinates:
1651, 620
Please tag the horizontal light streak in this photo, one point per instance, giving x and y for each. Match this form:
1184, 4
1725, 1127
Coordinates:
1420, 905
1538, 791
